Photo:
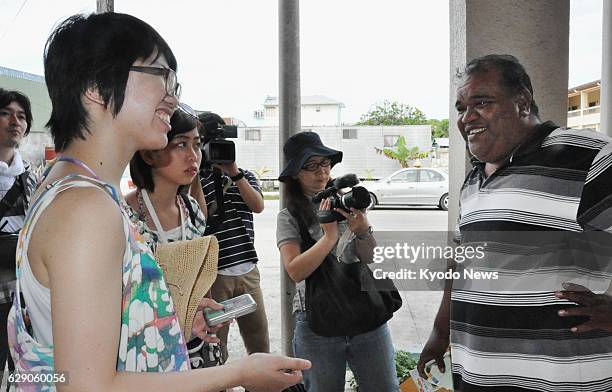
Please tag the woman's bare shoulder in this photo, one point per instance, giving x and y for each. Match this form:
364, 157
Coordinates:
79, 224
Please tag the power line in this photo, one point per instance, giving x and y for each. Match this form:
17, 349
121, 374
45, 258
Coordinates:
13, 21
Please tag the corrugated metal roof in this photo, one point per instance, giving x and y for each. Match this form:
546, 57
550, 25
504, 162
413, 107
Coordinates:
584, 86
21, 75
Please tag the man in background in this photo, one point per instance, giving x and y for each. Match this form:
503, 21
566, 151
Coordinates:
17, 184
232, 196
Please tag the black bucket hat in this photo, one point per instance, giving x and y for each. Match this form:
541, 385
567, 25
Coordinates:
299, 147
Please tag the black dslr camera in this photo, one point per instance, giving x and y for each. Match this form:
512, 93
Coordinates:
358, 197
214, 133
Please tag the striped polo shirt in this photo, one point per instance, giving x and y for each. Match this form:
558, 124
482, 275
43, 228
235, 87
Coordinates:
235, 234
506, 334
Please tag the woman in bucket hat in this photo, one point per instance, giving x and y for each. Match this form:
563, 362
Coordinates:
370, 355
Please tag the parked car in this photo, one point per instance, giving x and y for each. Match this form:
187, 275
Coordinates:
126, 184
411, 186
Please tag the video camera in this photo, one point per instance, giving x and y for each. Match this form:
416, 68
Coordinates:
214, 132
358, 197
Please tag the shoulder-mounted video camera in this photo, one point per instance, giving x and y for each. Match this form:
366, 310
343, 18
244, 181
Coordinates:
214, 133
358, 197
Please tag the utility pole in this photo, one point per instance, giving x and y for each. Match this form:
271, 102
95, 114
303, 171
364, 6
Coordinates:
290, 123
105, 6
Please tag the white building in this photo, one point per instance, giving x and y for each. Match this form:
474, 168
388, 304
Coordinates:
583, 106
317, 110
257, 148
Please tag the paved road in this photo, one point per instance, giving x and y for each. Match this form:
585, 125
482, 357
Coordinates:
410, 326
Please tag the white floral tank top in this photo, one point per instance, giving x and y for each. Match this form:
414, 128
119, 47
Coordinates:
151, 339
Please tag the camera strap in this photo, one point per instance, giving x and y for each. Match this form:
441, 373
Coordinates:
192, 214
218, 205
9, 199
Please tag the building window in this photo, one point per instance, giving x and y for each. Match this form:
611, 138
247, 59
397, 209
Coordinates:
349, 134
253, 134
258, 114
391, 140
271, 112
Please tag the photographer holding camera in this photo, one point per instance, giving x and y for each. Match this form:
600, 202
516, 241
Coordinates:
232, 195
325, 252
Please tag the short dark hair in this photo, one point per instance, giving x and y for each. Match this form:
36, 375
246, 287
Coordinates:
209, 122
141, 172
94, 51
513, 75
8, 96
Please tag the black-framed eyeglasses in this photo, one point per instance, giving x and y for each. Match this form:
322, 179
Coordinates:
183, 107
314, 166
173, 87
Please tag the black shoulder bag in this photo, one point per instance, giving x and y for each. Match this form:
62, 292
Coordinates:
345, 299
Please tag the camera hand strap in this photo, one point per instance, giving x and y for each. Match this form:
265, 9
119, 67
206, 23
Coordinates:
218, 205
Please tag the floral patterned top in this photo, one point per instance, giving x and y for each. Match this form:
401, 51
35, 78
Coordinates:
151, 338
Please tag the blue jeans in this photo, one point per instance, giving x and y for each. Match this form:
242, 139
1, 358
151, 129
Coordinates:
369, 355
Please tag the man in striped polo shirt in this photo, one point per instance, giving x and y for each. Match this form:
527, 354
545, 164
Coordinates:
231, 204
521, 201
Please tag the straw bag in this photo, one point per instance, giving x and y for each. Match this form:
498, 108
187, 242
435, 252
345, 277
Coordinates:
190, 269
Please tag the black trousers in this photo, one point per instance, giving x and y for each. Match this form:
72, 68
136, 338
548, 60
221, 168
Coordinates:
4, 349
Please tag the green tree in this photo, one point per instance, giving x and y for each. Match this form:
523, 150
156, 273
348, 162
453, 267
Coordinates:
393, 113
439, 128
402, 153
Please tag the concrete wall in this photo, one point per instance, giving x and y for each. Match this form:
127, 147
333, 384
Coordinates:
360, 156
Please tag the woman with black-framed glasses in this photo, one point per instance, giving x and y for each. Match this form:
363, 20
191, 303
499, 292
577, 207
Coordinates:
327, 263
100, 314
173, 87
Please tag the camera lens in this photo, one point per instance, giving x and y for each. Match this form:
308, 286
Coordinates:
358, 198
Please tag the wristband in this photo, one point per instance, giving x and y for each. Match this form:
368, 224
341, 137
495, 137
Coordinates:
238, 176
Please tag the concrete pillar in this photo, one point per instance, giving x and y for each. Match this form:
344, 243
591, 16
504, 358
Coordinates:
606, 70
534, 31
105, 6
290, 121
